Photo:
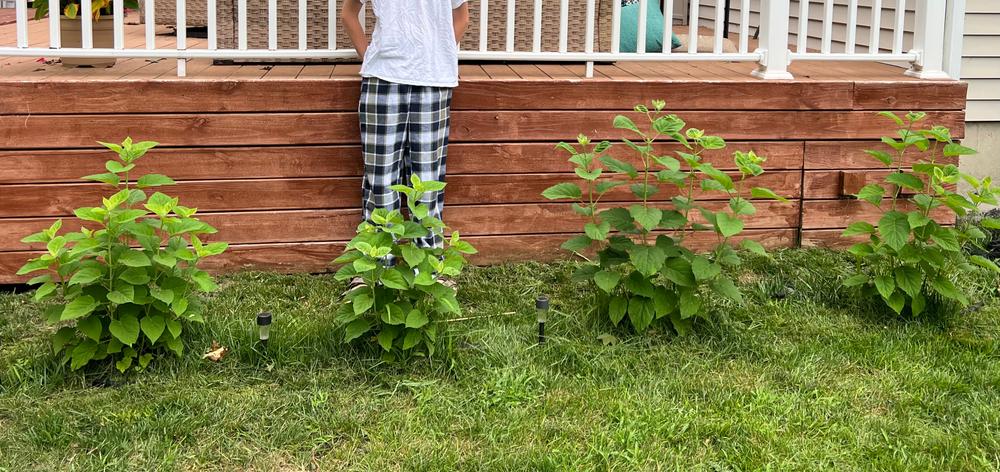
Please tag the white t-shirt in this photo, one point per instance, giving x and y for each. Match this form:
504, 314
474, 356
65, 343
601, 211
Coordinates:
413, 43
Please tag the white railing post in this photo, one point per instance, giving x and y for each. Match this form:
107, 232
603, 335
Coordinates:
928, 40
954, 36
21, 17
773, 41
181, 37
55, 35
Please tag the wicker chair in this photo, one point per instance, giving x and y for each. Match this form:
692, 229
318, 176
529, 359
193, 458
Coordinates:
318, 32
195, 12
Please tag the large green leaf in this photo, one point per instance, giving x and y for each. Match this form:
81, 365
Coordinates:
153, 326
561, 191
871, 193
607, 280
598, 232
80, 306
61, 338
640, 312
905, 180
617, 308
766, 193
704, 269
82, 354
647, 259
947, 289
91, 326
885, 285
619, 166
577, 243
393, 279
134, 258
624, 122
355, 329
724, 286
690, 303
678, 271
945, 237
416, 319
648, 218
984, 263
619, 218
154, 180
728, 224
85, 276
909, 279
412, 339
412, 255
894, 228
362, 302
859, 228
125, 329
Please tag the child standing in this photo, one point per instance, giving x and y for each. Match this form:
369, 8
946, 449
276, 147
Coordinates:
408, 72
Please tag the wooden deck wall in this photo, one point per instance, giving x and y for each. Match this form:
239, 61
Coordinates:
275, 164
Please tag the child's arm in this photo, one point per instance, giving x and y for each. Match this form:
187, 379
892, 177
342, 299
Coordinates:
460, 18
349, 17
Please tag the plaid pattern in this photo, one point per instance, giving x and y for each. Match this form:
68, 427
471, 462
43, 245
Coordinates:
404, 131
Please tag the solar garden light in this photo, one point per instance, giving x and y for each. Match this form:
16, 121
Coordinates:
542, 315
264, 327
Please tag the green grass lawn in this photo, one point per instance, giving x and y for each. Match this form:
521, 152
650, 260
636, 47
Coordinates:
812, 380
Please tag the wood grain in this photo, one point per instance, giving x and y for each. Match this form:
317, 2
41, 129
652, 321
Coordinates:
315, 256
81, 131
276, 93
337, 225
910, 96
23, 200
824, 214
339, 161
851, 155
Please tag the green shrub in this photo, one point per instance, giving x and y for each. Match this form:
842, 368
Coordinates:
911, 262
401, 304
127, 282
642, 271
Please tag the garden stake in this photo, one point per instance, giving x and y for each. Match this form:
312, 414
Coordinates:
542, 314
264, 328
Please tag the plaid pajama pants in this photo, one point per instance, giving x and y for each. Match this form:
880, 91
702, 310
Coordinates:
404, 131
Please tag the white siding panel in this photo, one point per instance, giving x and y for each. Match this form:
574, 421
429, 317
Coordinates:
985, 110
980, 67
984, 89
982, 23
985, 6
988, 46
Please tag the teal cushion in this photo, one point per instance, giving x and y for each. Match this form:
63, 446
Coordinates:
654, 28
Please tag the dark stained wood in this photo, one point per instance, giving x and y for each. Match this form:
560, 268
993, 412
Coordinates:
32, 131
339, 225
315, 256
829, 238
339, 161
820, 184
22, 200
910, 96
851, 155
820, 214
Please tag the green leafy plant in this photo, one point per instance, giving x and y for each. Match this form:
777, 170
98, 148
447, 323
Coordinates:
910, 261
71, 8
401, 304
642, 270
126, 283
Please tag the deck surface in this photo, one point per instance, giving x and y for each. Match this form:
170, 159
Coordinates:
49, 69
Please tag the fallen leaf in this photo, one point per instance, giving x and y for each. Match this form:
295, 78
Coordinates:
608, 339
216, 352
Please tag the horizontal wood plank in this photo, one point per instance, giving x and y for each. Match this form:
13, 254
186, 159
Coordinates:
851, 155
316, 256
339, 161
336, 225
825, 214
910, 96
36, 200
827, 184
81, 131
310, 94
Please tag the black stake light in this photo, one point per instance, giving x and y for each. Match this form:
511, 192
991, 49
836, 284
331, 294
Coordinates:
542, 314
264, 327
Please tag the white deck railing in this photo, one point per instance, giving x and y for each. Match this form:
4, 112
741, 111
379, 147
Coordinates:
937, 35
